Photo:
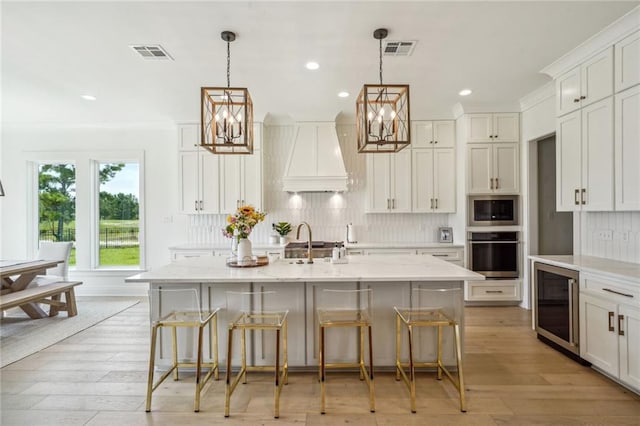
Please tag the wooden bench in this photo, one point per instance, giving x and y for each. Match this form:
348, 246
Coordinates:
40, 294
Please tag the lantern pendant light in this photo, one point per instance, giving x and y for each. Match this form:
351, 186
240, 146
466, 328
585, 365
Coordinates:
382, 113
226, 124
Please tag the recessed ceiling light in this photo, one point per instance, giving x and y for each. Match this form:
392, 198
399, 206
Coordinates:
312, 65
464, 92
343, 94
88, 97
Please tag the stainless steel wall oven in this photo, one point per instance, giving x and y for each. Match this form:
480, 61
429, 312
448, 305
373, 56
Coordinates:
494, 254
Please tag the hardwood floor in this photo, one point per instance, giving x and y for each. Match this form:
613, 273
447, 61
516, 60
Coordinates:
98, 377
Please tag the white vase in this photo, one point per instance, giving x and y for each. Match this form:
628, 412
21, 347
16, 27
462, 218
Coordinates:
283, 240
245, 257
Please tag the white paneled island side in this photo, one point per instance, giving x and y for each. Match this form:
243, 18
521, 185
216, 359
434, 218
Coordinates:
391, 277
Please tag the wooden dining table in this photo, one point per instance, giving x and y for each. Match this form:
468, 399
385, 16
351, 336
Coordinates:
16, 276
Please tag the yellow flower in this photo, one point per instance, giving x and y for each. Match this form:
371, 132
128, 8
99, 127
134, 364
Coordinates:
247, 210
229, 218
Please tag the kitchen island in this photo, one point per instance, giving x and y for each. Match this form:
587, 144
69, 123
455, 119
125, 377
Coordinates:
391, 278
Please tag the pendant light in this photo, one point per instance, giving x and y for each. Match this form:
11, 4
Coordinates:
382, 113
226, 114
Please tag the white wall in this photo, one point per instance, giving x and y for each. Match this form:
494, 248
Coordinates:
163, 226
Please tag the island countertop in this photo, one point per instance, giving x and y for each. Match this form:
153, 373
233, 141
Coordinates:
358, 268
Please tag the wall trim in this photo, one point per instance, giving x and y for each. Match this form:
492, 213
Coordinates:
611, 34
539, 95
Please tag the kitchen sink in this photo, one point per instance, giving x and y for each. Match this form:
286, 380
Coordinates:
319, 249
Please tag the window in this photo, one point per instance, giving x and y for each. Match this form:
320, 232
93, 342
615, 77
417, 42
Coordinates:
119, 214
57, 204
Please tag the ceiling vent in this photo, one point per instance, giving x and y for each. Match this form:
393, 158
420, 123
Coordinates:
151, 52
398, 48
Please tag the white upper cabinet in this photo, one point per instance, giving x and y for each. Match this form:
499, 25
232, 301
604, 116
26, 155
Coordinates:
493, 168
627, 149
434, 183
498, 127
434, 134
389, 182
585, 84
584, 159
627, 62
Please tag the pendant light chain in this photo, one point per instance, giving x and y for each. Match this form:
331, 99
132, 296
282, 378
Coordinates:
380, 62
228, 64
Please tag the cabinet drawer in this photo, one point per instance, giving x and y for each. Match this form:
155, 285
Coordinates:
610, 288
492, 290
449, 255
177, 255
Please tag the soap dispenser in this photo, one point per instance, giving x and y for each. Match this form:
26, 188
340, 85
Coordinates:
335, 253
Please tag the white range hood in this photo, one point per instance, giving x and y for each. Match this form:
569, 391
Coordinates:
315, 162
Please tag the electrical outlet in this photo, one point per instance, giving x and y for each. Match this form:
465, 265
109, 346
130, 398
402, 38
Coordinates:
625, 235
167, 219
606, 235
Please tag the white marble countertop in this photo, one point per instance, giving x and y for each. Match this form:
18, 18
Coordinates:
613, 268
360, 268
363, 245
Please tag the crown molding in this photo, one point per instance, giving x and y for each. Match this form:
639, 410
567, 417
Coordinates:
541, 94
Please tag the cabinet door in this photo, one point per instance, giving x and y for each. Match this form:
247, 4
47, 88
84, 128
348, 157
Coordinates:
422, 134
209, 182
289, 297
597, 78
188, 137
385, 297
627, 149
343, 341
506, 166
230, 183
480, 128
422, 185
444, 134
479, 167
629, 339
597, 156
252, 180
378, 178
188, 182
401, 182
568, 162
506, 127
598, 333
444, 180
627, 66
568, 92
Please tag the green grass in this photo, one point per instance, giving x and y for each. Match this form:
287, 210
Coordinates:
120, 256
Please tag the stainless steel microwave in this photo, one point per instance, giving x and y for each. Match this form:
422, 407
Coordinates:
490, 210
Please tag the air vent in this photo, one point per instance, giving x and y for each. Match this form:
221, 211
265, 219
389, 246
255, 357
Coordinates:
398, 48
151, 52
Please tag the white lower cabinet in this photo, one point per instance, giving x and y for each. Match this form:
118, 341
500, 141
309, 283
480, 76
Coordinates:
492, 291
610, 327
453, 254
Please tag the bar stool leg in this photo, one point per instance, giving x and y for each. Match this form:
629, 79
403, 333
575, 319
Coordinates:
227, 398
285, 349
213, 330
362, 365
174, 346
152, 359
398, 343
372, 401
277, 374
439, 362
196, 406
322, 371
412, 370
243, 338
463, 407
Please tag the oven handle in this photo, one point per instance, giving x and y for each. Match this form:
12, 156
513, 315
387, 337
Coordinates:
572, 283
494, 242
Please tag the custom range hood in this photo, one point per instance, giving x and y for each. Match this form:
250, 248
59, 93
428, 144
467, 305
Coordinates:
315, 161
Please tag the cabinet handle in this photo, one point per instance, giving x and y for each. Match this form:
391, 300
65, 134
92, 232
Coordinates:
620, 330
195, 203
495, 136
497, 185
430, 141
583, 97
388, 204
201, 205
617, 292
435, 142
494, 291
583, 197
436, 204
575, 197
490, 136
431, 200
439, 255
491, 183
611, 328
576, 100
393, 203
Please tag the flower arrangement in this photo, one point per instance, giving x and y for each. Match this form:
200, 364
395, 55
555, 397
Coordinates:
241, 223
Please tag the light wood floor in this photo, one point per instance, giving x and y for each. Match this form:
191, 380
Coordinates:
97, 377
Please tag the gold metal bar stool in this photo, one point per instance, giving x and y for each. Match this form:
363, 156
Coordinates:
182, 311
250, 311
346, 308
430, 308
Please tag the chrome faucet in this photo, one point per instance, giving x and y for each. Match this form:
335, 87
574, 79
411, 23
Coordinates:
309, 252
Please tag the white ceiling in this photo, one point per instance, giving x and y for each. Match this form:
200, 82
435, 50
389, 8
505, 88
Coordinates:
53, 52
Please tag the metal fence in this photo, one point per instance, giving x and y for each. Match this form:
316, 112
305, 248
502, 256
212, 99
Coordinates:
109, 237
